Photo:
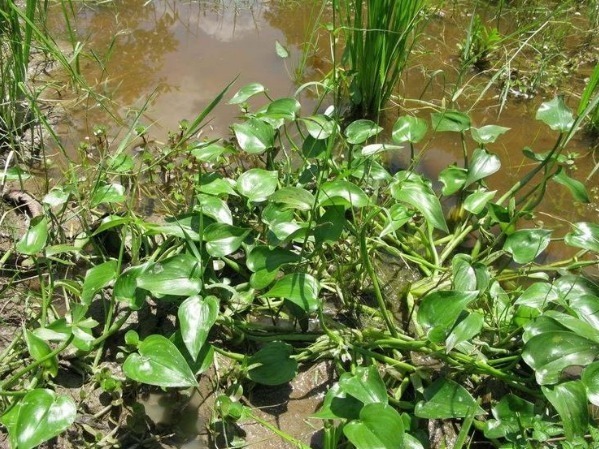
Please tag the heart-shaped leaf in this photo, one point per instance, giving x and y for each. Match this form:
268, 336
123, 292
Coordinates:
97, 278
453, 179
477, 201
34, 240
294, 198
179, 275
488, 133
365, 384
380, 427
361, 130
273, 364
320, 126
264, 258
482, 165
254, 136
339, 192
257, 184
452, 121
409, 129
397, 216
584, 235
512, 415
445, 399
465, 330
125, 287
464, 276
375, 148
196, 317
300, 288
538, 295
439, 311
38, 417
526, 244
422, 198
213, 207
39, 349
223, 239
108, 193
282, 108
159, 363
246, 92
339, 405
570, 401
576, 188
556, 114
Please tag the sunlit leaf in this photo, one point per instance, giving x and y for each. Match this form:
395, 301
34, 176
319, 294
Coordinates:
584, 235
453, 121
338, 405
196, 317
39, 349
576, 188
526, 244
397, 216
320, 126
380, 427
538, 295
453, 179
477, 201
488, 133
340, 192
294, 197
422, 199
97, 278
445, 399
56, 197
556, 114
570, 401
376, 148
159, 362
35, 238
590, 380
247, 92
179, 275
301, 289
409, 129
264, 258
439, 311
214, 207
125, 287
282, 108
512, 414
482, 165
254, 136
273, 364
465, 330
108, 193
464, 276
223, 239
282, 52
257, 184
361, 130
365, 384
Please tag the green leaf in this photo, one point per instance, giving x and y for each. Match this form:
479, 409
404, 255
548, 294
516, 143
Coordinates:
97, 278
13, 174
587, 308
180, 275
330, 225
223, 239
477, 201
452, 121
159, 362
397, 216
342, 193
121, 163
376, 148
282, 52
590, 380
338, 405
488, 133
364, 384
439, 311
556, 114
254, 136
264, 258
39, 349
584, 235
39, 416
197, 315
294, 198
209, 153
273, 364
570, 401
538, 296
446, 399
213, 207
464, 276
577, 188
108, 193
282, 108
214, 184
512, 415
409, 129
453, 179
549, 353
247, 92
300, 288
482, 165
320, 126
465, 330
34, 240
422, 199
526, 244
125, 287
56, 197
257, 184
361, 130
380, 427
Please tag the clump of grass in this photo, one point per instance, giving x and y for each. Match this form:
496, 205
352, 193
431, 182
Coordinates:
379, 35
591, 90
481, 40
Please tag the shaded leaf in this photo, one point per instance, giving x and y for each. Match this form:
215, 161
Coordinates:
365, 384
439, 311
577, 188
300, 288
453, 179
422, 199
512, 415
477, 201
338, 405
273, 364
320, 126
465, 330
409, 129
264, 258
482, 165
109, 193
380, 427
445, 399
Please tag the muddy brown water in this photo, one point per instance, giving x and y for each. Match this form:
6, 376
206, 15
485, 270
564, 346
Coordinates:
173, 57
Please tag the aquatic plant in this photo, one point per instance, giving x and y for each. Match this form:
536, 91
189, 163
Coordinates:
591, 92
378, 37
481, 40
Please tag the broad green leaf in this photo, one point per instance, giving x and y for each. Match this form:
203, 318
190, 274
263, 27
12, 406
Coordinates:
56, 197
422, 199
185, 228
273, 364
294, 198
314, 148
320, 126
262, 278
264, 258
477, 201
214, 207
446, 399
488, 133
376, 148
109, 193
543, 324
584, 235
338, 405
300, 288
577, 188
369, 170
439, 311
209, 153
512, 415
464, 276
556, 114
13, 174
465, 330
380, 427
453, 121
397, 216
570, 401
282, 52
409, 129
121, 163
125, 287
196, 317
159, 362
587, 308
247, 92
365, 384
453, 179
223, 239
39, 349
214, 184
39, 416
282, 108
579, 326
180, 275
590, 380
572, 285
549, 353
361, 130
526, 244
254, 136
482, 165
342, 193
538, 296
97, 278
34, 240
330, 225
257, 184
